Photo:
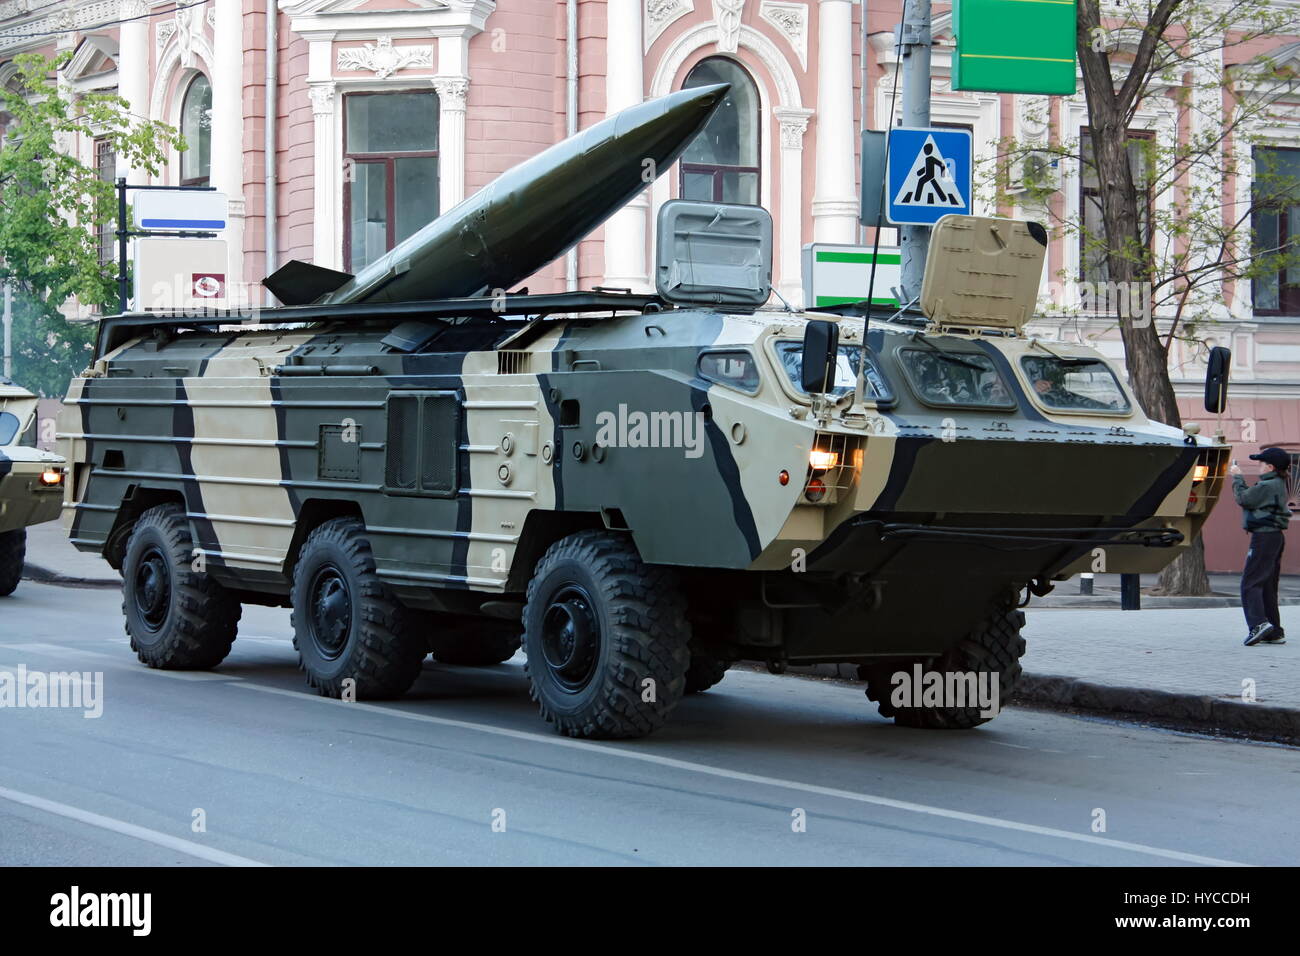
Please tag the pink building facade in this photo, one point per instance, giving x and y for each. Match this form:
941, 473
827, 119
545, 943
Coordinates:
385, 113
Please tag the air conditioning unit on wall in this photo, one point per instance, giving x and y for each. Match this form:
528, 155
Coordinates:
1037, 169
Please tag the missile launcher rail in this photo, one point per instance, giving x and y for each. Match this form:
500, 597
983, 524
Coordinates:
116, 329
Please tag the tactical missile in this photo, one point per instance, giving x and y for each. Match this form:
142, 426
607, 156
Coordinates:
527, 217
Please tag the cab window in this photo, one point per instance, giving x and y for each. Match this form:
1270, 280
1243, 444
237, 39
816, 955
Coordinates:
846, 371
736, 370
8, 427
1074, 384
955, 378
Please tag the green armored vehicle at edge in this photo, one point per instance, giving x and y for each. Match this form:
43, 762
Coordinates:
642, 489
31, 482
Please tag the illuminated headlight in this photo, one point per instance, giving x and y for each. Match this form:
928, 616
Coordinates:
51, 477
819, 460
1200, 472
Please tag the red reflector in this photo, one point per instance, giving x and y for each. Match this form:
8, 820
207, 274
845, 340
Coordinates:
1192, 500
784, 477
816, 490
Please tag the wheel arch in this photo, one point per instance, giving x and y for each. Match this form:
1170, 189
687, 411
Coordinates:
138, 500
314, 513
541, 530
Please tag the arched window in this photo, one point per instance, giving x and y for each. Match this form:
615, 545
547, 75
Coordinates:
721, 165
196, 127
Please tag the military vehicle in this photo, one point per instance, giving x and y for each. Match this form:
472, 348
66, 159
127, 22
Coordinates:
31, 482
640, 488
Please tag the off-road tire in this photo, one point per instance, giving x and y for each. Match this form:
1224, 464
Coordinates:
176, 618
13, 551
640, 634
346, 622
704, 672
468, 642
996, 646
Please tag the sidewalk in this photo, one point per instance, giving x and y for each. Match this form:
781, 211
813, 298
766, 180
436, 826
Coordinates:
1225, 592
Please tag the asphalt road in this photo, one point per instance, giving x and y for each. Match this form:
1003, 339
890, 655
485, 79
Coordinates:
463, 771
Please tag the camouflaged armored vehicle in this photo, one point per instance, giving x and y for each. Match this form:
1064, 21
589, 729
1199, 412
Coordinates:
642, 489
31, 482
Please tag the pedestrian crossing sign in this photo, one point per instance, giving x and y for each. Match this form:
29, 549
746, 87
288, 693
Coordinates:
928, 175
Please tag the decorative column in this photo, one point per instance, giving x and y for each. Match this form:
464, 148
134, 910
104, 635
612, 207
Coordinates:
452, 92
789, 242
228, 134
835, 201
133, 69
326, 248
625, 232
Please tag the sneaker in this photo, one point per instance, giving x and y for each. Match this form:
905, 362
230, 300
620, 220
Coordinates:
1258, 634
1277, 637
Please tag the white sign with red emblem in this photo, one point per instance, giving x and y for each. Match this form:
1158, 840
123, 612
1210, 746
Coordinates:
180, 274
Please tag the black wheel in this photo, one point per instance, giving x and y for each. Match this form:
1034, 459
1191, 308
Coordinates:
347, 626
176, 617
996, 647
13, 551
704, 672
606, 637
472, 642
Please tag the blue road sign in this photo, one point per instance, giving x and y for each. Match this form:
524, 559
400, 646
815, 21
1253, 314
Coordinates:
928, 175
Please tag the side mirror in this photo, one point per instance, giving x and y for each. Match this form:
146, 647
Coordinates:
1216, 380
821, 350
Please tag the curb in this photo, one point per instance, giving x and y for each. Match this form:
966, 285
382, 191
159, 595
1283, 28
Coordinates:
1202, 712
34, 572
1149, 603
1197, 712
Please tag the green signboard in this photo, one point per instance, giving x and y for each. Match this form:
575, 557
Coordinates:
1014, 46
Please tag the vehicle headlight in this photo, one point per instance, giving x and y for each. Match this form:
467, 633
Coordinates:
51, 477
1200, 472
819, 460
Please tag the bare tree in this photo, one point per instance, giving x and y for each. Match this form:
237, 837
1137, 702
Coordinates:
1171, 266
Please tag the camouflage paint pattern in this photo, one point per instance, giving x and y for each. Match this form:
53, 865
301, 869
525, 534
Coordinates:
258, 456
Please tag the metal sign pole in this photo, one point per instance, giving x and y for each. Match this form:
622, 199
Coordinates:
123, 280
915, 48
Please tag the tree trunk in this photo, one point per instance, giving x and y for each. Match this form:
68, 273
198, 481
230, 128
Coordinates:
1187, 575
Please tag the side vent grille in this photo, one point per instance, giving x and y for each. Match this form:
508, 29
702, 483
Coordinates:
513, 363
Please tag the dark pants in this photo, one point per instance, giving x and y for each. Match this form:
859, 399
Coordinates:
1260, 576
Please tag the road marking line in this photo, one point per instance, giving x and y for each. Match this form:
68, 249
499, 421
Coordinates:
59, 650
557, 741
129, 829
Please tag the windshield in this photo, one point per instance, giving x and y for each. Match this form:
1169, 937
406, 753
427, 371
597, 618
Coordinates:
1074, 384
955, 378
846, 371
8, 427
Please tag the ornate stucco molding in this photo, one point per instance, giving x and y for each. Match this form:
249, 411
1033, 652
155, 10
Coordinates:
661, 14
791, 21
382, 58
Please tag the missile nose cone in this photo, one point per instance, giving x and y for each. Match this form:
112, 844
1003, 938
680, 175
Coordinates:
707, 96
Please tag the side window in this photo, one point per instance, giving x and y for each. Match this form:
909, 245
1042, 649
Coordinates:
735, 369
423, 444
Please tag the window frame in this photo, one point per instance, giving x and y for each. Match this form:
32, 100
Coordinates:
1034, 397
725, 350
1132, 135
719, 171
102, 147
195, 180
901, 361
389, 161
793, 391
1288, 294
